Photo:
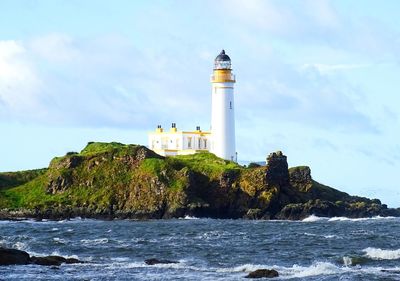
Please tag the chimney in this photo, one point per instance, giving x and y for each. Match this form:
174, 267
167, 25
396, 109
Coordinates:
173, 128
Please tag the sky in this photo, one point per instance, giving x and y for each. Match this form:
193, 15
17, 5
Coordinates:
318, 80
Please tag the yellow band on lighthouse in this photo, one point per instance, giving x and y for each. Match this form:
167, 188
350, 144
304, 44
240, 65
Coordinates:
222, 76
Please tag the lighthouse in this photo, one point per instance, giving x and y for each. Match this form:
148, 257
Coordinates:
221, 139
223, 109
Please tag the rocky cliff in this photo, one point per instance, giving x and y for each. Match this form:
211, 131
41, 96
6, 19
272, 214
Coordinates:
112, 180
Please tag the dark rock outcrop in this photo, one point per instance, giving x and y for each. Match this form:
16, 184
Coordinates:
13, 256
18, 257
277, 172
263, 273
53, 260
113, 180
154, 261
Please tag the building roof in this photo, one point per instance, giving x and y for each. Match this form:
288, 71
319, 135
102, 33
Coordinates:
222, 57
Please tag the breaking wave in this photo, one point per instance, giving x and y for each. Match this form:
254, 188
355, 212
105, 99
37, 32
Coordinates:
360, 219
380, 254
313, 218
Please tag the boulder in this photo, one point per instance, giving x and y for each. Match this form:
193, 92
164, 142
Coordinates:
18, 257
157, 261
53, 260
13, 256
49, 260
263, 273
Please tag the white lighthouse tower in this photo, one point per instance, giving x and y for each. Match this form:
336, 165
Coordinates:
223, 109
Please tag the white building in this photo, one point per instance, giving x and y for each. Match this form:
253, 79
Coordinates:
221, 139
174, 142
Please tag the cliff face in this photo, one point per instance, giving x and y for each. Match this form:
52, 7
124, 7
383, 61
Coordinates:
112, 180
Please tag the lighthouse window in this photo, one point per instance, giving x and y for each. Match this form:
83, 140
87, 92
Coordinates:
230, 105
189, 142
199, 143
205, 143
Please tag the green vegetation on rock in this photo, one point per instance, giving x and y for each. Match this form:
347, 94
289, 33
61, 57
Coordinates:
131, 181
12, 179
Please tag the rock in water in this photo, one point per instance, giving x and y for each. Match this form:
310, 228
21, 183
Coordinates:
263, 273
50, 260
53, 260
12, 256
157, 261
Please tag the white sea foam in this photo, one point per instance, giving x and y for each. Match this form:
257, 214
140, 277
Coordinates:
59, 240
120, 259
346, 219
19, 246
316, 269
313, 218
330, 236
180, 265
56, 253
54, 229
310, 234
380, 254
187, 217
296, 271
98, 241
347, 261
360, 219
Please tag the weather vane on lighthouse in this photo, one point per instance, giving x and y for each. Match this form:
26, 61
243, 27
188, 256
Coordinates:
221, 139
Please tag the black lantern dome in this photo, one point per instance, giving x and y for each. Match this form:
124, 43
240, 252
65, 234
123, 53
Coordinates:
222, 61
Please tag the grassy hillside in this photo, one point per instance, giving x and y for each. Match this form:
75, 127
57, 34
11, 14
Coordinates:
12, 179
118, 180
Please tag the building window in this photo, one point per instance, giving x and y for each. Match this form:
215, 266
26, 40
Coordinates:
230, 105
199, 143
189, 142
205, 143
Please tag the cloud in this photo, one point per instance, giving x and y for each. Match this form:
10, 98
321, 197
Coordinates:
55, 48
284, 18
329, 68
287, 93
264, 15
98, 82
19, 83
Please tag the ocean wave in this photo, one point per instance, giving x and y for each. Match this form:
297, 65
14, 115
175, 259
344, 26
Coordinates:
313, 218
98, 241
380, 254
187, 217
57, 253
347, 261
315, 269
59, 240
296, 271
360, 219
241, 268
330, 236
130, 265
20, 246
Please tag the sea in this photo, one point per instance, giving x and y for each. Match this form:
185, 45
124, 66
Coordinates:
208, 249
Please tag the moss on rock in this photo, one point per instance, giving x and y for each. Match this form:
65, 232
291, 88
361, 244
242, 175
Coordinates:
108, 180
